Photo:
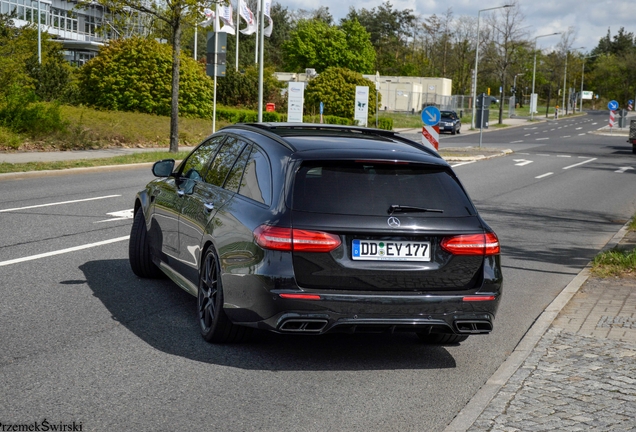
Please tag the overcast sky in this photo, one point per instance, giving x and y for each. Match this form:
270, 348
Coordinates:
590, 18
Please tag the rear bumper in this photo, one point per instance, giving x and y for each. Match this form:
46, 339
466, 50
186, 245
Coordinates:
366, 312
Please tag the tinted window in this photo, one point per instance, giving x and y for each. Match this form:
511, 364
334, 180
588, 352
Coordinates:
257, 179
370, 189
223, 161
234, 179
194, 167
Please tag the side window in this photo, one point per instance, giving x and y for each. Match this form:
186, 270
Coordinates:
234, 178
223, 161
194, 167
257, 179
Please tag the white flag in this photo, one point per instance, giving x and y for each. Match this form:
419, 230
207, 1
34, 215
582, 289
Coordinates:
209, 17
225, 14
266, 11
248, 16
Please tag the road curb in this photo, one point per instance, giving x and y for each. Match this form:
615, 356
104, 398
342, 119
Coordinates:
475, 158
66, 171
478, 403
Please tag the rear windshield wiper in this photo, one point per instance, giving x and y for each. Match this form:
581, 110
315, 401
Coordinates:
406, 209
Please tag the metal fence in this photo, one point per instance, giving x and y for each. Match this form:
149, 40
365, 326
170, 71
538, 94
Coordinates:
406, 101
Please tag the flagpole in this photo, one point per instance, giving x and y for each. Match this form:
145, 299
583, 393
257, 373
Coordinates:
258, 19
196, 27
216, 32
238, 24
260, 66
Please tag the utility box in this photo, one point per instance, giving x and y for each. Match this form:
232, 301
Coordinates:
622, 122
482, 122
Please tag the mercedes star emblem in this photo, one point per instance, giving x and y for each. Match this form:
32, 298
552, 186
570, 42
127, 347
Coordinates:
393, 222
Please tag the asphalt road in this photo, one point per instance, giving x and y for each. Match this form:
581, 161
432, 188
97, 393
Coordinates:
84, 340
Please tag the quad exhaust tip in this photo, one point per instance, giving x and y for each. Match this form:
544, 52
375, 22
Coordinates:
303, 325
473, 327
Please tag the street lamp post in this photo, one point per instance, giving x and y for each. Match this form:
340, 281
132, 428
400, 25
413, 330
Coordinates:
39, 35
582, 76
472, 120
534, 71
565, 74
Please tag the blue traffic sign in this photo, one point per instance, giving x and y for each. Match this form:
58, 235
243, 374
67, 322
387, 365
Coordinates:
322, 107
631, 101
612, 105
431, 116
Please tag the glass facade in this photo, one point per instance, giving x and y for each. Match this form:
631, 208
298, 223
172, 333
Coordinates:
26, 10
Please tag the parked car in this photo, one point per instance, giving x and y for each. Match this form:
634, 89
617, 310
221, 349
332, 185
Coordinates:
309, 229
450, 121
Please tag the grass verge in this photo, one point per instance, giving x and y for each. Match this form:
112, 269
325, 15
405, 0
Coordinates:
617, 262
87, 163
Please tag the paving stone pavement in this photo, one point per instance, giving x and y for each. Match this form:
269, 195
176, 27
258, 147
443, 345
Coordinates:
581, 376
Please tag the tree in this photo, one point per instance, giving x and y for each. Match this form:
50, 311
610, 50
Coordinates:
240, 89
336, 89
316, 44
175, 14
505, 45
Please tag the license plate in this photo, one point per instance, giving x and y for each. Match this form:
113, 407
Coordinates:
390, 250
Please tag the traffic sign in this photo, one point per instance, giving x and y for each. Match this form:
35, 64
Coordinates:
611, 119
612, 105
322, 107
431, 116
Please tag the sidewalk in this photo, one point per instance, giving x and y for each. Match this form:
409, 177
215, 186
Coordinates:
579, 375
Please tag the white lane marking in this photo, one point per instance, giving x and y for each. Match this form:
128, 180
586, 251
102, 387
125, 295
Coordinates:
579, 128
542, 154
62, 251
567, 136
551, 130
58, 203
623, 169
462, 163
581, 134
564, 156
524, 154
542, 139
594, 124
522, 162
580, 163
515, 142
527, 134
118, 215
544, 175
560, 127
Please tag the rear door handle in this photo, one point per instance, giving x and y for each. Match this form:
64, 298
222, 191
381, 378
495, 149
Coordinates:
208, 207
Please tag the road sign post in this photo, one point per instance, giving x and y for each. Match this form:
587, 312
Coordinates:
430, 130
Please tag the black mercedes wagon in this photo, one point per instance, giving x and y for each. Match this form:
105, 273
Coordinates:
309, 229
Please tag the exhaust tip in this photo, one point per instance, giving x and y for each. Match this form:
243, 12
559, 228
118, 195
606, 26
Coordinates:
473, 327
303, 325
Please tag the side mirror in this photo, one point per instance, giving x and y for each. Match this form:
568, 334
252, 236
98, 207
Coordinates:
163, 168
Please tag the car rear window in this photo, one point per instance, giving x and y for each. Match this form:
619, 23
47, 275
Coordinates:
370, 189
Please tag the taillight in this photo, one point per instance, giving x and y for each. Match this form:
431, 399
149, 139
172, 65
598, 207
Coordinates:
287, 239
473, 244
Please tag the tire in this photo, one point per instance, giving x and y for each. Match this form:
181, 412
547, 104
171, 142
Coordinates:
441, 338
634, 149
139, 250
454, 131
459, 129
214, 324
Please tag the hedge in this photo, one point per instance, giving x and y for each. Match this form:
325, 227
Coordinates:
234, 115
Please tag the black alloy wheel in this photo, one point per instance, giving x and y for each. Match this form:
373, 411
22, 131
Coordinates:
215, 325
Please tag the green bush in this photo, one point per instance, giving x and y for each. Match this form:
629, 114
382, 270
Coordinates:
385, 123
21, 113
240, 89
336, 88
136, 75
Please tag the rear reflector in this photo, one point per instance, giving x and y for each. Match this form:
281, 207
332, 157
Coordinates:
478, 298
300, 296
473, 244
287, 239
